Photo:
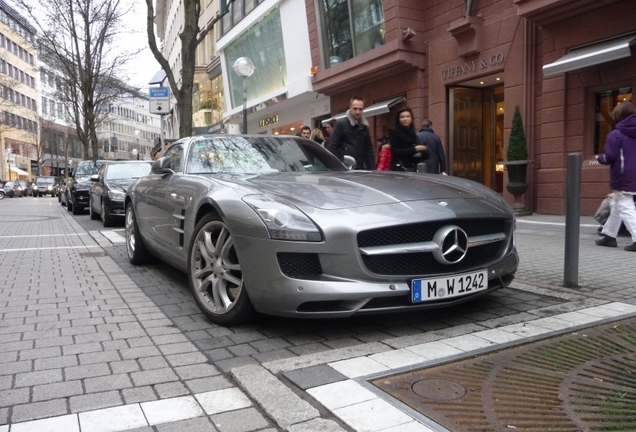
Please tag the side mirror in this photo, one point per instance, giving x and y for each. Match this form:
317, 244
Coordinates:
349, 161
161, 166
94, 178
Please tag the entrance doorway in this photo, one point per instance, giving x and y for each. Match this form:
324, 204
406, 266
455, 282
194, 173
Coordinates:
476, 134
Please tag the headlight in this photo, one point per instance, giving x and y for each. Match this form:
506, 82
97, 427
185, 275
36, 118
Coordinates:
49, 187
283, 220
35, 187
116, 195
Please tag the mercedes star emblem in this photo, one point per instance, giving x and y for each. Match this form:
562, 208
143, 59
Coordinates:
452, 242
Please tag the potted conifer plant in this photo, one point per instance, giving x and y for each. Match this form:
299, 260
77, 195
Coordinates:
517, 162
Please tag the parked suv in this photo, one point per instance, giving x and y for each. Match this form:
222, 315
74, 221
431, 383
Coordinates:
43, 186
78, 184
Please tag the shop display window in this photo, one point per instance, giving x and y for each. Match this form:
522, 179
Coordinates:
350, 28
263, 44
288, 129
604, 103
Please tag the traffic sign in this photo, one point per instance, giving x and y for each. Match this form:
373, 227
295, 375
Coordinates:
159, 100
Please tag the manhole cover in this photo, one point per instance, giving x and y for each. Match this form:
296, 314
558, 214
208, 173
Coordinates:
94, 254
576, 382
439, 389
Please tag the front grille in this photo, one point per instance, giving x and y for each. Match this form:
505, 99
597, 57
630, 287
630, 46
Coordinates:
300, 265
424, 231
425, 263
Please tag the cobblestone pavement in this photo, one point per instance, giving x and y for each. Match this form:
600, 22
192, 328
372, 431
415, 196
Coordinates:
91, 343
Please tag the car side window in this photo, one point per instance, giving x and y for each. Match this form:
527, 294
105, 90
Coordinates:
174, 155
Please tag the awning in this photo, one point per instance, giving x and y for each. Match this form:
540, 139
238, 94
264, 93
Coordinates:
590, 55
158, 77
18, 171
372, 110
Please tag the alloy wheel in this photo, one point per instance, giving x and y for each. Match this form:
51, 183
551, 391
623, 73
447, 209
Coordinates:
130, 232
215, 270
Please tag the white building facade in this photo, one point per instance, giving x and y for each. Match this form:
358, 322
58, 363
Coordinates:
274, 35
129, 130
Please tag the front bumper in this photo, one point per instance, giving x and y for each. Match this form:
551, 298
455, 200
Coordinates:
327, 293
80, 198
114, 208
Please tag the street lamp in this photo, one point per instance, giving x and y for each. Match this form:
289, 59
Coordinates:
135, 151
244, 68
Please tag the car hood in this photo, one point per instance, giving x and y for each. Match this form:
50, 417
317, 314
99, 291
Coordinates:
351, 189
83, 180
120, 184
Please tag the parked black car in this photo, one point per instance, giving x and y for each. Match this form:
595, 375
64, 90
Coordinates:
43, 186
76, 197
27, 188
109, 186
13, 189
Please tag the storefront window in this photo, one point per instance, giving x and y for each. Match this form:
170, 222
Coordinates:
207, 100
288, 129
350, 28
263, 44
604, 104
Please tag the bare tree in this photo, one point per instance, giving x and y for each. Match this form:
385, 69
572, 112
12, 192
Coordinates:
191, 36
77, 38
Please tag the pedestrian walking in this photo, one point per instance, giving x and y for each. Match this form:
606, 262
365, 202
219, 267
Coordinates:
620, 155
406, 152
436, 162
350, 137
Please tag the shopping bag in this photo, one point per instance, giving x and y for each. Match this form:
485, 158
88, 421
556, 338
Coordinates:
384, 159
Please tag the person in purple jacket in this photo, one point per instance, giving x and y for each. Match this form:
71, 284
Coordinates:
620, 155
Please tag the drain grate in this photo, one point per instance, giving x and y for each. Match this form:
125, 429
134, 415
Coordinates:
580, 381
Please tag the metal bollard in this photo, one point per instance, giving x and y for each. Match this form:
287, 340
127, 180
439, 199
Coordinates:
572, 221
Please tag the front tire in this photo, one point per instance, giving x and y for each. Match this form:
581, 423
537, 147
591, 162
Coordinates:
91, 212
215, 275
135, 248
107, 221
77, 210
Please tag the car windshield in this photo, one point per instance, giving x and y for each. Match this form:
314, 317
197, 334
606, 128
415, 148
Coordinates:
238, 154
45, 180
87, 168
127, 171
8, 185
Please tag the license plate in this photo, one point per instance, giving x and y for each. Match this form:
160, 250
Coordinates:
423, 290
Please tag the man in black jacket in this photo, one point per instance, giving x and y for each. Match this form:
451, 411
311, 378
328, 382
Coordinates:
351, 137
436, 162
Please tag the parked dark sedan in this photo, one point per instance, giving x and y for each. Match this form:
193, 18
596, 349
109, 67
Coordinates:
279, 225
13, 189
78, 185
108, 189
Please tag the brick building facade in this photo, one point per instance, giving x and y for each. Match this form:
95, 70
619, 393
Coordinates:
467, 64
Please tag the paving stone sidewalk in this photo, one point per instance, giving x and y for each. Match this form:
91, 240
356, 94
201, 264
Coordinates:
87, 338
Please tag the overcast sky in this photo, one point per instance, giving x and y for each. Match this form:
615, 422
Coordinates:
140, 69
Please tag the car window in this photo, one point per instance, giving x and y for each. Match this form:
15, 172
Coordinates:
237, 154
45, 180
127, 171
174, 155
8, 185
87, 168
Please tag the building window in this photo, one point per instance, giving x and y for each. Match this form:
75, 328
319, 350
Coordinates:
604, 103
238, 10
263, 44
350, 28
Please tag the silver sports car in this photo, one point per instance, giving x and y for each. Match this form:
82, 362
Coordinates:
278, 225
